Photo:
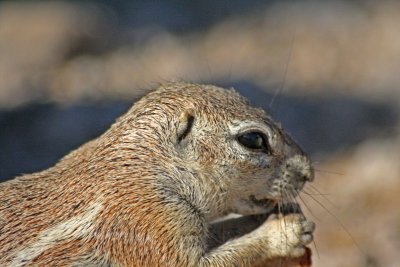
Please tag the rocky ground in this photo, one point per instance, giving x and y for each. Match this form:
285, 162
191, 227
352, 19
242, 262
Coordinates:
67, 70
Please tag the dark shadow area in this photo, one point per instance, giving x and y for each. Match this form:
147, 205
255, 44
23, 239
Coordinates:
177, 16
221, 231
35, 137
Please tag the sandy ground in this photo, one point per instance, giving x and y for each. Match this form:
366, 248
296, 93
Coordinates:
355, 207
68, 53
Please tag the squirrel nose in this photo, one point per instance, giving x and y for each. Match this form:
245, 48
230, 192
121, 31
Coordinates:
301, 167
309, 175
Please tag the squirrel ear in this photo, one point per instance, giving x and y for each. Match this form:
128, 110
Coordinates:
185, 125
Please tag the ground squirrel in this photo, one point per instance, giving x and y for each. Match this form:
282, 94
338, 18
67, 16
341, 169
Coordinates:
144, 193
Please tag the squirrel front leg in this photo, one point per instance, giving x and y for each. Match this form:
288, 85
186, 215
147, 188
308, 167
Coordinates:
279, 236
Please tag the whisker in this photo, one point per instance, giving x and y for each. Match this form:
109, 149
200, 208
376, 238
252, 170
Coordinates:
314, 194
316, 249
308, 208
280, 227
339, 222
286, 199
283, 82
318, 219
324, 171
325, 197
329, 172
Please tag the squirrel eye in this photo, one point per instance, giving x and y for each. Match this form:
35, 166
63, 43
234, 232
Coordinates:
253, 140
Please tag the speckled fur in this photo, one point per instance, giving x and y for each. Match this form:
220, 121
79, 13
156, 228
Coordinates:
136, 196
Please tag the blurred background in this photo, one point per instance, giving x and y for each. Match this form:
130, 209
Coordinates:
69, 69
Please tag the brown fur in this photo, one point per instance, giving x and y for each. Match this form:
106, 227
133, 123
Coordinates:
135, 196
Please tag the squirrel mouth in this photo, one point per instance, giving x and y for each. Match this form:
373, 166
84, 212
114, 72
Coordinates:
264, 202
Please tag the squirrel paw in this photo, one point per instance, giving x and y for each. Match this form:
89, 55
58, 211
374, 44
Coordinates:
287, 235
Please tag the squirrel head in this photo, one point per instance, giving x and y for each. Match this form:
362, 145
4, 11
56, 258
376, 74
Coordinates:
228, 152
